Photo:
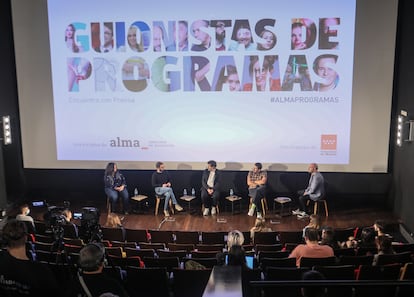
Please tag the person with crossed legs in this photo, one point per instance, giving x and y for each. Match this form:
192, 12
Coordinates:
256, 180
161, 182
315, 190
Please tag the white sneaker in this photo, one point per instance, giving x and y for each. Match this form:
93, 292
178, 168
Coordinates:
178, 207
205, 212
213, 210
166, 213
296, 212
251, 210
259, 215
302, 215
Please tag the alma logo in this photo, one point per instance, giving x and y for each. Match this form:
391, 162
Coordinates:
328, 142
118, 142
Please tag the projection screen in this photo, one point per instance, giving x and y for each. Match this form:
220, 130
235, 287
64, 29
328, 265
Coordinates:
184, 82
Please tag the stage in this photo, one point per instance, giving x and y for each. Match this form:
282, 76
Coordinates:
144, 218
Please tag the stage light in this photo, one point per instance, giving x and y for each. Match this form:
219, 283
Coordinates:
7, 136
405, 129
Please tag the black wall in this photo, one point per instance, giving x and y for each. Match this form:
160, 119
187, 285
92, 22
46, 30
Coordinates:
402, 192
344, 189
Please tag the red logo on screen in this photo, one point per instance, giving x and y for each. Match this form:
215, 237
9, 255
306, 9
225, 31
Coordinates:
328, 142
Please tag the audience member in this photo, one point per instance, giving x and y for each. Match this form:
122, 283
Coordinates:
313, 291
234, 237
311, 248
115, 185
315, 190
314, 222
384, 247
379, 226
237, 257
161, 181
67, 214
113, 221
259, 226
367, 239
92, 279
23, 215
5, 217
256, 181
18, 275
328, 238
210, 190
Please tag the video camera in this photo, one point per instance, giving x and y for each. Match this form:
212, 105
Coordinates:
90, 228
90, 216
54, 216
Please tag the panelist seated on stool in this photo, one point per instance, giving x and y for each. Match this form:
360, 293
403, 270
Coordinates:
315, 190
256, 181
115, 188
161, 182
158, 199
210, 190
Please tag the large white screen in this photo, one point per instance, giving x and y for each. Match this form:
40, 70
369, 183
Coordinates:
169, 105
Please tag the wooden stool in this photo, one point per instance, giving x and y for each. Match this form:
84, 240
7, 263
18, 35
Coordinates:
108, 204
139, 199
315, 206
232, 199
264, 205
188, 199
158, 199
282, 201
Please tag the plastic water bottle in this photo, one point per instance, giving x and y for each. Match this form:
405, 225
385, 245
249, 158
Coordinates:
136, 192
185, 192
231, 192
192, 192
